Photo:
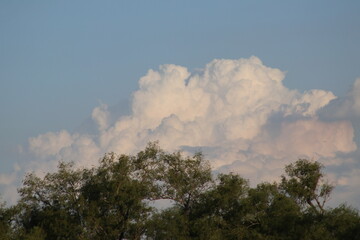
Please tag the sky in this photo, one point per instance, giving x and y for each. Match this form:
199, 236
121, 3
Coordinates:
255, 85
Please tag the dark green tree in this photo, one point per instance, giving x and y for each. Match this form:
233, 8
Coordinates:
343, 222
304, 182
5, 222
271, 214
181, 180
116, 200
52, 205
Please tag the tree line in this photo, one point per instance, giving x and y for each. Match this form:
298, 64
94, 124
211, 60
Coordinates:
115, 200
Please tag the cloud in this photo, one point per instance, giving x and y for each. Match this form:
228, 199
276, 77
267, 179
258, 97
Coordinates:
8, 185
7, 178
50, 143
347, 107
308, 137
101, 116
238, 112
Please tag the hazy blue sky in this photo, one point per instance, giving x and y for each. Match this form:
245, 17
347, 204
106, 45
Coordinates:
61, 59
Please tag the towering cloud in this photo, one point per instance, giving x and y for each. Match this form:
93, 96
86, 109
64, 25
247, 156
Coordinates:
238, 112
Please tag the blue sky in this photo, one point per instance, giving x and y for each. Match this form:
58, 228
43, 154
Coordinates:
61, 59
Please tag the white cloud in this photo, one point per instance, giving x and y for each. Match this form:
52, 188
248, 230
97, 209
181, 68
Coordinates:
237, 111
7, 178
312, 138
50, 143
347, 107
101, 116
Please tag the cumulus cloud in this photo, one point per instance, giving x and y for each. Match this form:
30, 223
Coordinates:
9, 183
50, 143
238, 112
101, 116
308, 137
347, 107
7, 178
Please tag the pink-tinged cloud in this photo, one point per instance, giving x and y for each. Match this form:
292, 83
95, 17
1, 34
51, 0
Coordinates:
312, 138
238, 112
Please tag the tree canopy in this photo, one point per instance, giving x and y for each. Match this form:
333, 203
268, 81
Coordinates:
116, 200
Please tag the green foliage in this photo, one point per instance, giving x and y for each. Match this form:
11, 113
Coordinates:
184, 179
304, 183
35, 233
5, 218
169, 224
52, 204
343, 222
115, 201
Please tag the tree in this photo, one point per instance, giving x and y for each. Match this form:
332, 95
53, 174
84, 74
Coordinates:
343, 222
271, 213
304, 182
221, 211
183, 180
5, 222
52, 206
114, 196
169, 223
114, 200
